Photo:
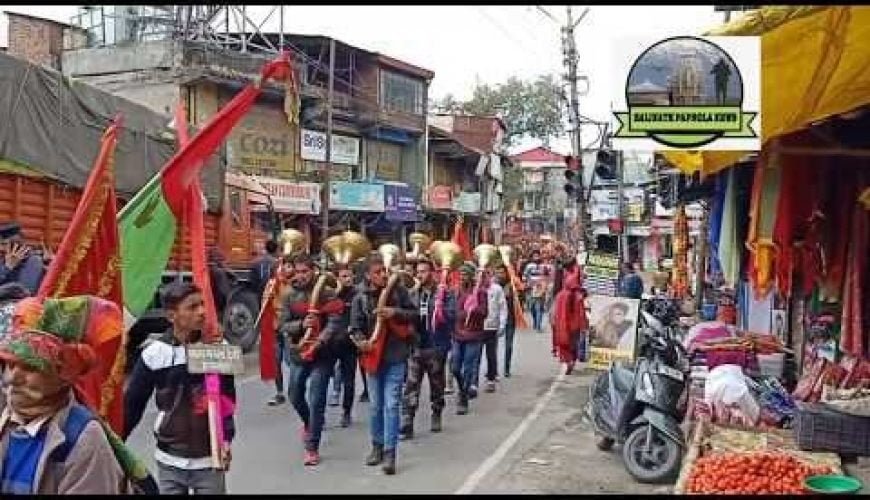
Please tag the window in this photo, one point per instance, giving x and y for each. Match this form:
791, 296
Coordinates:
401, 94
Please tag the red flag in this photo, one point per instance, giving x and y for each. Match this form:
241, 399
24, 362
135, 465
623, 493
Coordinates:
87, 263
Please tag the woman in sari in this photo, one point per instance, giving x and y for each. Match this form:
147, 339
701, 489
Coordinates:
569, 321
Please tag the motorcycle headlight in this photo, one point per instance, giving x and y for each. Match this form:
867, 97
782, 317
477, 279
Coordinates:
646, 385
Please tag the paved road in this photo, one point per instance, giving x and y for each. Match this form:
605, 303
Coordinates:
497, 448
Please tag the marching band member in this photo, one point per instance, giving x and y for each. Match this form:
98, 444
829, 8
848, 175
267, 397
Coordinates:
309, 358
430, 353
380, 320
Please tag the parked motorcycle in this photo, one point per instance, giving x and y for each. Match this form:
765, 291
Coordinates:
641, 408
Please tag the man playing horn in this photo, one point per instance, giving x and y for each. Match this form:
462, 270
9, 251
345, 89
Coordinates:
297, 321
430, 353
386, 311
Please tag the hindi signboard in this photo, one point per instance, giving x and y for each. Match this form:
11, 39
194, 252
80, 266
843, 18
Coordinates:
601, 273
223, 359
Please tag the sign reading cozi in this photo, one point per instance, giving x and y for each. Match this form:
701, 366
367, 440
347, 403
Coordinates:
263, 142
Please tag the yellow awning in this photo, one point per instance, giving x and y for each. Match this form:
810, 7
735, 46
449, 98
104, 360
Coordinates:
814, 63
705, 162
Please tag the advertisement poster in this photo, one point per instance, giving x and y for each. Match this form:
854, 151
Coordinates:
356, 196
400, 203
292, 197
601, 273
613, 322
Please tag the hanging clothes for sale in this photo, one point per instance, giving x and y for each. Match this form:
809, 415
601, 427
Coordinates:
854, 329
762, 217
837, 211
716, 206
728, 248
798, 200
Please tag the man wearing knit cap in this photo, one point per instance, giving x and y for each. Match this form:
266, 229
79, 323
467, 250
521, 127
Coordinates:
51, 443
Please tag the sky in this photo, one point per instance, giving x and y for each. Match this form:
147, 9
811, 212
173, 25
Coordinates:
466, 44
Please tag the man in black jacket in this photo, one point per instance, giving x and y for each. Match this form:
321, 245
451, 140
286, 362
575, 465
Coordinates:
182, 431
429, 355
294, 320
344, 379
386, 383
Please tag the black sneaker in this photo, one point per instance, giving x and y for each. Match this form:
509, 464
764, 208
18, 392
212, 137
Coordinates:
364, 397
472, 392
277, 399
345, 419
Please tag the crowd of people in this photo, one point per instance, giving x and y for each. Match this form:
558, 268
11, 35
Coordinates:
395, 332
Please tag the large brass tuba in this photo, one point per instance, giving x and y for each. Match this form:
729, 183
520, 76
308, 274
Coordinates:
293, 242
342, 248
487, 255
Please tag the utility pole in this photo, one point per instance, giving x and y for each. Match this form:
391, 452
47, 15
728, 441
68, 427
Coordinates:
328, 170
623, 233
569, 50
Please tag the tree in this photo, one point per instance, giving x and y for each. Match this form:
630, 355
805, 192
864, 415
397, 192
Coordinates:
528, 108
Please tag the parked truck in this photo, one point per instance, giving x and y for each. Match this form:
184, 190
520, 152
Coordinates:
45, 207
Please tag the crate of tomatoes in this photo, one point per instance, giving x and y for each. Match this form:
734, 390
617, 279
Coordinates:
764, 472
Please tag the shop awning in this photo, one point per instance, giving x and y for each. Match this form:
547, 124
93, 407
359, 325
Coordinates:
813, 63
705, 162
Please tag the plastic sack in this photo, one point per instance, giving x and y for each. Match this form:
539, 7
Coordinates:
726, 388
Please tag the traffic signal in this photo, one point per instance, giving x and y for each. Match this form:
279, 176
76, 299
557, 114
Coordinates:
574, 177
605, 164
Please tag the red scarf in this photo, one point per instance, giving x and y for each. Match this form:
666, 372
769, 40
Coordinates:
569, 318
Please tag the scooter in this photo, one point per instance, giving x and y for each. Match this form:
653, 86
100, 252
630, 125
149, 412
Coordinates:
641, 408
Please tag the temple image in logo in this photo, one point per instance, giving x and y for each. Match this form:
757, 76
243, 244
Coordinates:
684, 72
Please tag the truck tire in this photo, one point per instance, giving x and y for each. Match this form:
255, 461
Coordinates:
239, 316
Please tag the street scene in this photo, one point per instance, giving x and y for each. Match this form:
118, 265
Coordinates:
250, 249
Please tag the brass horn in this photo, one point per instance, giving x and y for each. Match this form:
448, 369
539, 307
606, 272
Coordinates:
487, 255
506, 252
446, 254
346, 247
420, 243
293, 242
391, 254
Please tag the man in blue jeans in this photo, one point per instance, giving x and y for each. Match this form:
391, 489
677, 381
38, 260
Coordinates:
294, 321
385, 384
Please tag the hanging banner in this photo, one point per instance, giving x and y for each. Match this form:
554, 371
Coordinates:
292, 197
400, 203
345, 150
356, 196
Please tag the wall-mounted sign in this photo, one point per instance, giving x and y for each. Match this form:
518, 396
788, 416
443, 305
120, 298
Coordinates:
345, 150
292, 197
356, 196
467, 202
400, 203
441, 197
262, 142
635, 204
601, 273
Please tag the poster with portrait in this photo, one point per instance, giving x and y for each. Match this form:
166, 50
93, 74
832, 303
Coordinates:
613, 322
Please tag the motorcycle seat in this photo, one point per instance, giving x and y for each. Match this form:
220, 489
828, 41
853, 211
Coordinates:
623, 378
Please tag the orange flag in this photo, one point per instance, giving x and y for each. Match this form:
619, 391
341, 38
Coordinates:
87, 263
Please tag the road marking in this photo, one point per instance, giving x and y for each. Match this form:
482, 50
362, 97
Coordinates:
498, 455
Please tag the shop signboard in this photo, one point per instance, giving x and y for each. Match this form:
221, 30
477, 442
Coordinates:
356, 196
345, 150
601, 273
263, 142
468, 203
635, 204
441, 197
292, 197
400, 203
603, 206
